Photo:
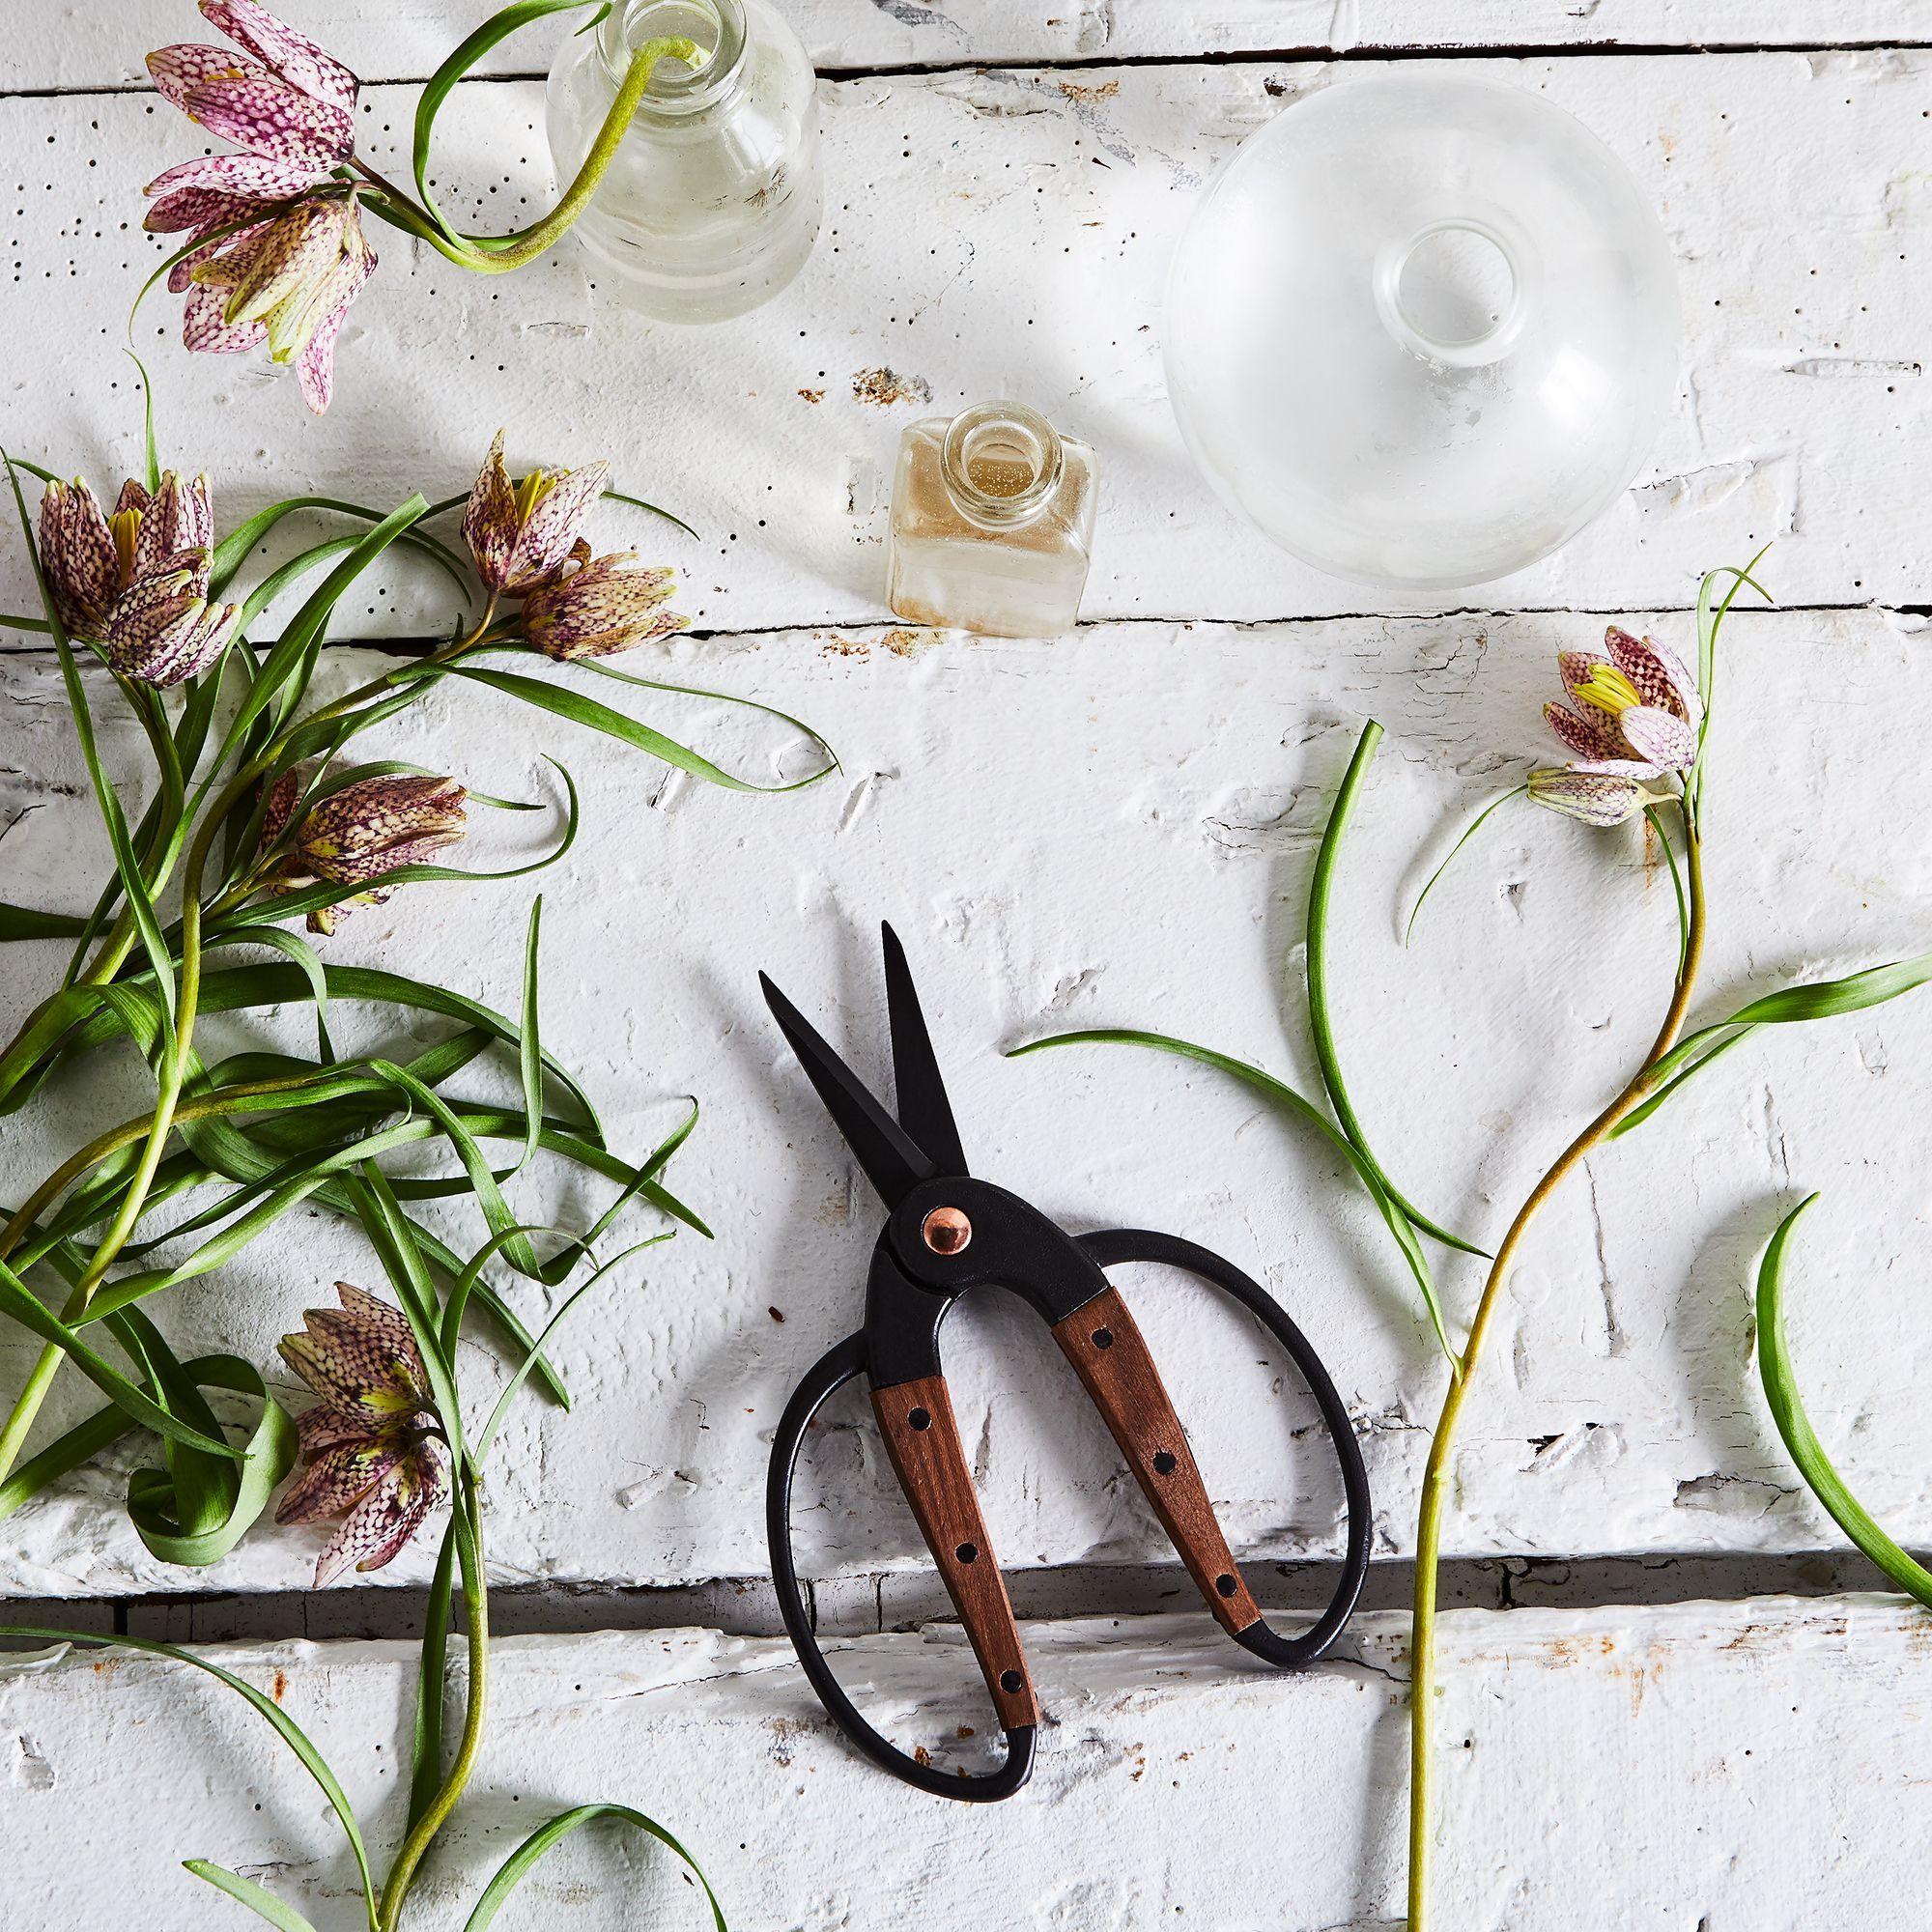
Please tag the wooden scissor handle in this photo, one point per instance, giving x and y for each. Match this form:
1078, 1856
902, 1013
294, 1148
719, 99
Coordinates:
922, 1439
1110, 1355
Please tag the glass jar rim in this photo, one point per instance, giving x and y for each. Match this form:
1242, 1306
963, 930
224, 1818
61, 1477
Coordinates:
1029, 437
674, 88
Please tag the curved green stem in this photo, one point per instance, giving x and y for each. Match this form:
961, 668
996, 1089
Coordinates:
1436, 1475
477, 1614
173, 1072
490, 258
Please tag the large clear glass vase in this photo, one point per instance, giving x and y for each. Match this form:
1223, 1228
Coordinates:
711, 204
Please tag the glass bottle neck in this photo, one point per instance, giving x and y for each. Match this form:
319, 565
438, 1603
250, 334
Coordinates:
1001, 464
717, 27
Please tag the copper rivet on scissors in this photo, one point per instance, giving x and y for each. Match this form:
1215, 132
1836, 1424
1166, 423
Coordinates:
945, 1231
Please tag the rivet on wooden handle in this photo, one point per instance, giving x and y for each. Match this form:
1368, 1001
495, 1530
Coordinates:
1111, 1358
922, 1439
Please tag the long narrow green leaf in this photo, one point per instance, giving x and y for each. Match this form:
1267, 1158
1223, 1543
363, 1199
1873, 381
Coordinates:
534, 1353
19, 1302
426, 1754
151, 456
530, 1054
436, 91
24, 922
1820, 1000
510, 1873
561, 703
263, 1904
1320, 891
286, 1728
1285, 1096
1801, 1439
1474, 826
233, 551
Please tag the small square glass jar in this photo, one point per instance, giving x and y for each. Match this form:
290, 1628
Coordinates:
992, 523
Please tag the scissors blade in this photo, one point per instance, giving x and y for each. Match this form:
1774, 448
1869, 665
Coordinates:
925, 1111
892, 1163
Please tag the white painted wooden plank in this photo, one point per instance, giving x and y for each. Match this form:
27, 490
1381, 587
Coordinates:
1010, 233
67, 45
1116, 829
1749, 1768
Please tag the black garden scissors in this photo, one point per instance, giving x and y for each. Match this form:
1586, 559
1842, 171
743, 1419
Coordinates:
946, 1233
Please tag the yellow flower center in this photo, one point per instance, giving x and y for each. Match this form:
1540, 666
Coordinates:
1609, 690
126, 526
531, 491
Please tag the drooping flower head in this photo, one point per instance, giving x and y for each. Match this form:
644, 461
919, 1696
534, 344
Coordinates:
137, 581
599, 607
357, 836
271, 259
368, 1443
1633, 720
521, 534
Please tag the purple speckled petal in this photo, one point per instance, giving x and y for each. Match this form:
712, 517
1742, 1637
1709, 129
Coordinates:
1588, 732
1661, 677
376, 1529
1659, 736
544, 541
490, 518
249, 176
337, 1478
294, 56
1576, 667
1597, 798
293, 251
201, 210
203, 328
609, 606
326, 1427
178, 71
77, 554
256, 110
315, 366
362, 1360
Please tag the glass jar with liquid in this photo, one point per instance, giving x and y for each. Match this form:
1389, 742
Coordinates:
711, 204
992, 523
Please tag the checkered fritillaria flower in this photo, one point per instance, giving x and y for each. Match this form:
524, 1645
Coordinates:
521, 534
269, 260
359, 835
1632, 721
599, 607
368, 1443
137, 581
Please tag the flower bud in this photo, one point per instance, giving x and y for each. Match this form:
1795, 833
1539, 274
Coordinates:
599, 607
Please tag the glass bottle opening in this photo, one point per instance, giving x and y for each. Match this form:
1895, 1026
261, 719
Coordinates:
1001, 462
715, 27
1457, 291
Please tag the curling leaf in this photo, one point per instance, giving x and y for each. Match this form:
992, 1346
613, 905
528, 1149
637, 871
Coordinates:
1320, 891
1801, 1439
1289, 1101
263, 1904
510, 1873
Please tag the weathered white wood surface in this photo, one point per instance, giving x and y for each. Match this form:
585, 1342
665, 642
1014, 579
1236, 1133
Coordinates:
1009, 232
70, 45
1752, 1766
1116, 829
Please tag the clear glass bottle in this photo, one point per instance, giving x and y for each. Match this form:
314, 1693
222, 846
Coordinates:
992, 523
711, 204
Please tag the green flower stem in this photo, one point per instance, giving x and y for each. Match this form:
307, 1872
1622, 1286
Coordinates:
1436, 1476
19, 1421
477, 1614
526, 247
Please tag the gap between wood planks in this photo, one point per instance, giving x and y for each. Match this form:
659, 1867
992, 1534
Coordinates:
23, 643
1208, 57
856, 1606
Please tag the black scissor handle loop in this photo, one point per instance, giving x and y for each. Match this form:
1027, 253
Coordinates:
827, 1376
1141, 1244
